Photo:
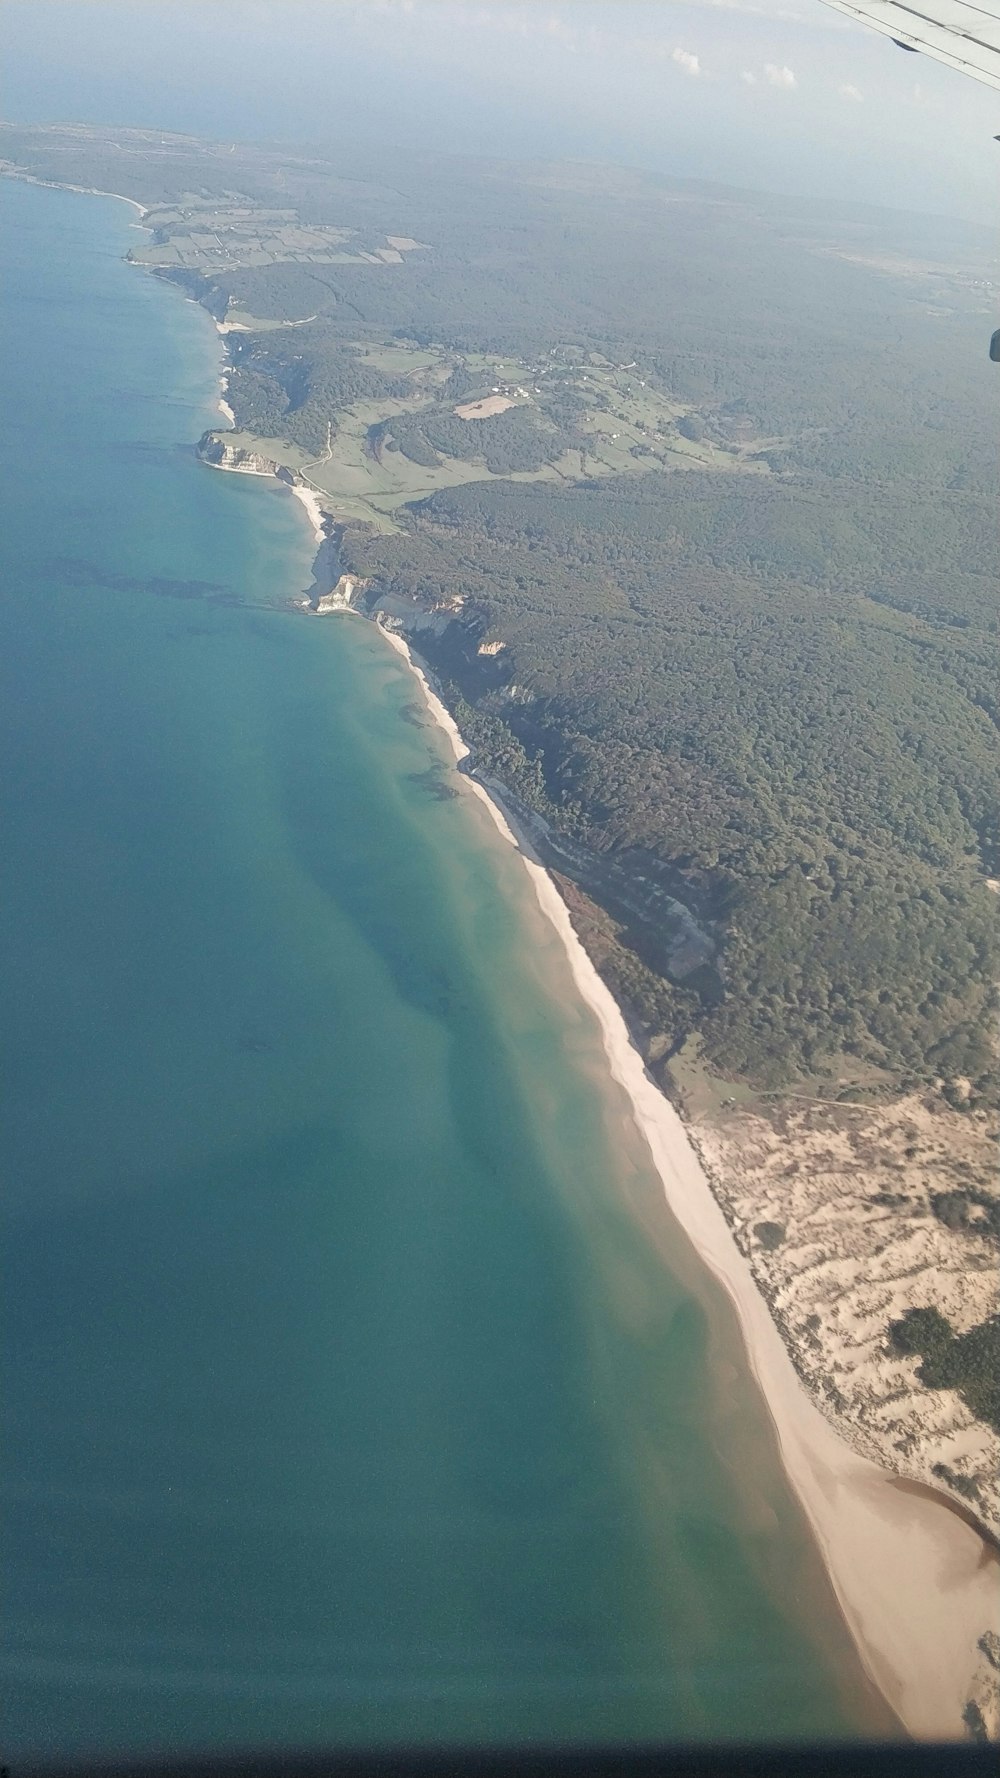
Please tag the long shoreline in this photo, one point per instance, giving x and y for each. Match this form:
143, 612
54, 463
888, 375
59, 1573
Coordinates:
86, 191
917, 1585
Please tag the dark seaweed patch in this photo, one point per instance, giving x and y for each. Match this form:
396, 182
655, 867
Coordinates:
73, 571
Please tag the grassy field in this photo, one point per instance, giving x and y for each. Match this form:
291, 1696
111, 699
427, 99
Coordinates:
631, 429
399, 359
208, 236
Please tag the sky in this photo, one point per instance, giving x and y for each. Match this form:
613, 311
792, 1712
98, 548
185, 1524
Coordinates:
774, 95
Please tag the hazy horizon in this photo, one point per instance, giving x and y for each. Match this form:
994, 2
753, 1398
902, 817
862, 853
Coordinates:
782, 96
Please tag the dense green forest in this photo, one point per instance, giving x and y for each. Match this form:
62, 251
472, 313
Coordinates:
968, 1362
703, 678
769, 691
514, 441
292, 384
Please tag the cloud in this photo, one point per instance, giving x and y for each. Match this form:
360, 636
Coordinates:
851, 92
554, 26
686, 60
775, 76
765, 11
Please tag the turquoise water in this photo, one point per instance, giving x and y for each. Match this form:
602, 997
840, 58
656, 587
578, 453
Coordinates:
345, 1395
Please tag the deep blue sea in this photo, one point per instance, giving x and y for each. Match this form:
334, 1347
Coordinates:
345, 1395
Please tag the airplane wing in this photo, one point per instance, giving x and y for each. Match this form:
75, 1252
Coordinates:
961, 33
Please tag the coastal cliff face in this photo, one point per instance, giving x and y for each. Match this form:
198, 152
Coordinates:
340, 597
213, 449
417, 622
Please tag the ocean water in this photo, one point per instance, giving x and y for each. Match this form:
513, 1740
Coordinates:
345, 1396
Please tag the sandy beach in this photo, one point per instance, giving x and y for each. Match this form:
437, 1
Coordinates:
918, 1586
87, 191
311, 503
91, 191
305, 495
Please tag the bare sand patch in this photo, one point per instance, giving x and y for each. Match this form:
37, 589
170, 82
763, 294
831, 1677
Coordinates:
848, 1194
481, 410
